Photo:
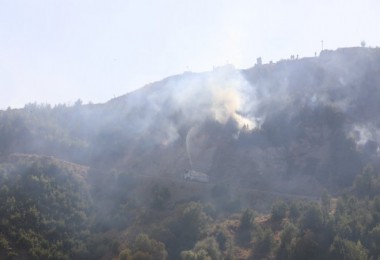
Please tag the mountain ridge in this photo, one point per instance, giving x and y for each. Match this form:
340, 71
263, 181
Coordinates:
94, 181
224, 106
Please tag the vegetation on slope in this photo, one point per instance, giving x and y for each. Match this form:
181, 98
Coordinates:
317, 130
44, 209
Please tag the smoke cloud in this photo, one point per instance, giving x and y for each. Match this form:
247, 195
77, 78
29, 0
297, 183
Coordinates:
161, 109
220, 95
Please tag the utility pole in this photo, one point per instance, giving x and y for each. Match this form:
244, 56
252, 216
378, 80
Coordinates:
322, 45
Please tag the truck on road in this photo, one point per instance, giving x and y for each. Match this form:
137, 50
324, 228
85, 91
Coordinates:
196, 176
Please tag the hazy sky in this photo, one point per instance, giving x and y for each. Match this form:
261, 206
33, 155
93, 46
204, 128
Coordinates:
56, 51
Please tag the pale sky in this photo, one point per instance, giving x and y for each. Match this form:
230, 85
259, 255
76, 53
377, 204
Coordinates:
57, 51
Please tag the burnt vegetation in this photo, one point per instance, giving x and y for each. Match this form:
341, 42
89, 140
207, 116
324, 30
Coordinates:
104, 181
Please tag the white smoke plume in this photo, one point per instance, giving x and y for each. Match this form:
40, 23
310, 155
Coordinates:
160, 109
249, 97
220, 95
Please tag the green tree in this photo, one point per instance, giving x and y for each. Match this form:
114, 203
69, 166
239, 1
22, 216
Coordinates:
326, 202
287, 244
210, 245
191, 225
221, 238
294, 211
145, 244
161, 196
343, 249
264, 242
279, 209
125, 254
246, 226
364, 182
374, 242
312, 218
247, 219
191, 255
142, 256
308, 247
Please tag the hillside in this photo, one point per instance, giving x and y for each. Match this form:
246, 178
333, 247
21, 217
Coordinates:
305, 119
76, 176
45, 205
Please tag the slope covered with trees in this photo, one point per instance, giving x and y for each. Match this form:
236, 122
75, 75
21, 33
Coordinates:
45, 208
291, 149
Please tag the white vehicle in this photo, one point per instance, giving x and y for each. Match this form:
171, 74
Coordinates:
195, 176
